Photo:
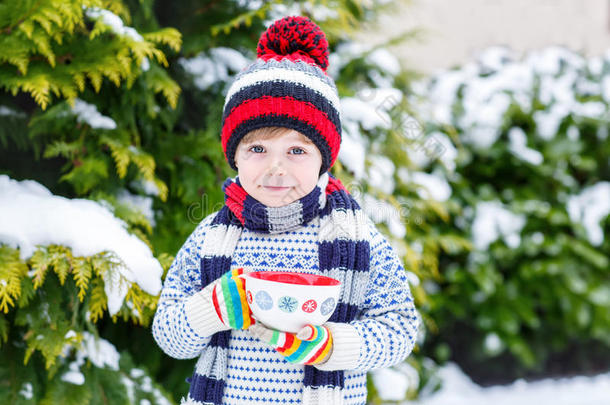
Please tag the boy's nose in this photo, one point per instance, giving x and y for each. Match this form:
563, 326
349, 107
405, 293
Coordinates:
276, 170
276, 167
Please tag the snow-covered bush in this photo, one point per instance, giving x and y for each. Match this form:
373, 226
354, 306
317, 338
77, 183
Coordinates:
64, 265
532, 182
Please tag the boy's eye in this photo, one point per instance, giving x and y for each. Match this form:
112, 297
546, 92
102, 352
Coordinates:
297, 151
257, 149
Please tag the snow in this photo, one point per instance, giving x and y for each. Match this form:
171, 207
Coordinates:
357, 110
458, 389
385, 60
382, 211
436, 146
26, 391
9, 112
89, 114
73, 376
214, 68
353, 149
431, 186
518, 147
548, 121
114, 22
589, 208
554, 75
381, 173
492, 221
391, 385
371, 107
85, 226
138, 203
606, 88
99, 351
493, 344
146, 186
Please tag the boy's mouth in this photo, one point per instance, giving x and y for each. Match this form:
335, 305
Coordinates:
272, 188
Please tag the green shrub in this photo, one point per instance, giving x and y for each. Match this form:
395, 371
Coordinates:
531, 183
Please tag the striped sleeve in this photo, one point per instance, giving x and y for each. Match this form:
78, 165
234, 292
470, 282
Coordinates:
389, 323
177, 333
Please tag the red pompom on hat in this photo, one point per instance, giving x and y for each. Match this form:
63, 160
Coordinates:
294, 38
287, 86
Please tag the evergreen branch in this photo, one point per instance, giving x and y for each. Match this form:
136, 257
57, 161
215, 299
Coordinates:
82, 272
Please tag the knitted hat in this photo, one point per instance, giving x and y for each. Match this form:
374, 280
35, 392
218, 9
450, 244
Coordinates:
287, 86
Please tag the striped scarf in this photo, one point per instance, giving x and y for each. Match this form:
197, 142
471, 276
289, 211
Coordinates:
343, 251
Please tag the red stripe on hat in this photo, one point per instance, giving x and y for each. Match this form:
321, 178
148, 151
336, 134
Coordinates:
288, 106
236, 196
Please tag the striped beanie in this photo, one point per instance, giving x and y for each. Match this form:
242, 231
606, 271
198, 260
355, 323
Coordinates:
287, 86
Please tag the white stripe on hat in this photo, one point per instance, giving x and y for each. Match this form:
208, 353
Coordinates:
287, 75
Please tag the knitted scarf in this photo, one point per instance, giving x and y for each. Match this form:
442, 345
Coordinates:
343, 251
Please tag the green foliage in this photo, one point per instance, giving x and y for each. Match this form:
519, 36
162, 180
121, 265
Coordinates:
522, 304
60, 299
52, 47
100, 106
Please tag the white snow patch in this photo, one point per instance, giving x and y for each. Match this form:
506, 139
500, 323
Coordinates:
518, 147
353, 149
215, 67
492, 221
431, 186
382, 211
589, 208
138, 203
385, 60
89, 114
381, 173
391, 385
27, 391
458, 389
114, 22
85, 226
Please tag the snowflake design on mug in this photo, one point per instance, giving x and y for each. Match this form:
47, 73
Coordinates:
288, 304
309, 306
327, 306
264, 300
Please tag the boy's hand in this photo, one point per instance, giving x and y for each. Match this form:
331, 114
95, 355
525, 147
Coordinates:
229, 298
311, 345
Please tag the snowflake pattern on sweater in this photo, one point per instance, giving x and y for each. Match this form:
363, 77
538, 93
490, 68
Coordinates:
256, 374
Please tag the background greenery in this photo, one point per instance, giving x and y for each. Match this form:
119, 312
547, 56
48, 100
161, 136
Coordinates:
165, 148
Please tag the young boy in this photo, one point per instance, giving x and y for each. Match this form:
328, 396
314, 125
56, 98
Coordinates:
284, 212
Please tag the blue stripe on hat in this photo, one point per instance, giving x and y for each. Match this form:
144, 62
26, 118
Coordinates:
282, 89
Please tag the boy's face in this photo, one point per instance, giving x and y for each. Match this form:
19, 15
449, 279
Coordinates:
279, 170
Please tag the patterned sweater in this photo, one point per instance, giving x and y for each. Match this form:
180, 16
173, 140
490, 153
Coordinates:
256, 373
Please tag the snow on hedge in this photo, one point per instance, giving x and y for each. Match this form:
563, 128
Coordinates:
458, 389
215, 67
488, 85
30, 216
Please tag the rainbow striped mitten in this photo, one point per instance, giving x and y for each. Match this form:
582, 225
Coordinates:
311, 345
229, 298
